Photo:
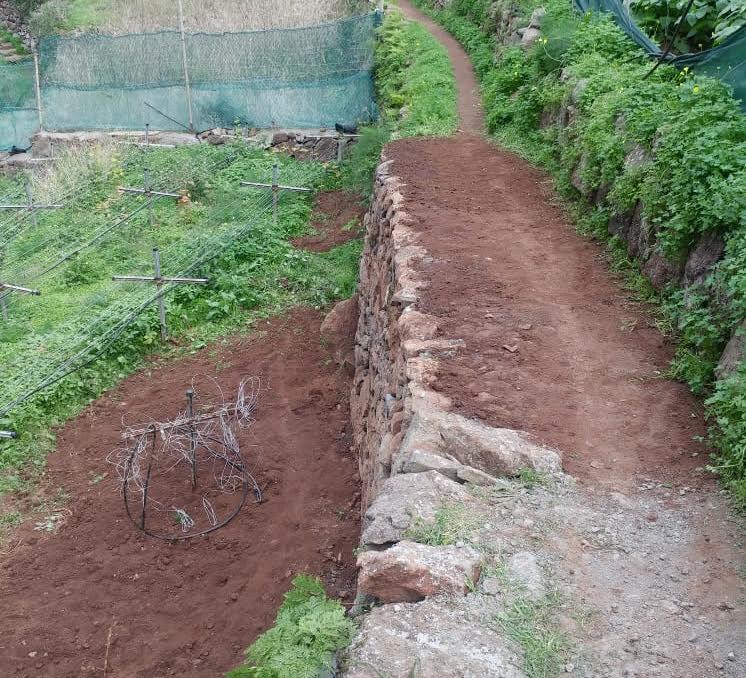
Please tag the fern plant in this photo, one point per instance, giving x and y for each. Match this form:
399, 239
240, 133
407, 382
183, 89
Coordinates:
309, 629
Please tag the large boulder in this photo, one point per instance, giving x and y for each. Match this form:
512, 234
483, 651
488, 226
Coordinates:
495, 451
408, 572
430, 639
338, 329
406, 500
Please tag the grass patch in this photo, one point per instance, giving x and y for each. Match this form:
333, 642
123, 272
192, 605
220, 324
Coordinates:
533, 626
453, 523
309, 629
531, 478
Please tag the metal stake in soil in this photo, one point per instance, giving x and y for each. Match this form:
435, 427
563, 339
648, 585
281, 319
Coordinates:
159, 282
6, 290
276, 187
30, 205
192, 436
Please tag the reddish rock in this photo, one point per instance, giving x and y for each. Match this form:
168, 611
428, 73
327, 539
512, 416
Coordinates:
339, 329
408, 571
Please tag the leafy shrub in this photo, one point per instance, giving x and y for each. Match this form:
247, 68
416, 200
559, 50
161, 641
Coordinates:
309, 629
708, 21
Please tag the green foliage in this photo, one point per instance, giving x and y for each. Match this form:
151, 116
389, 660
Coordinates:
689, 133
708, 21
452, 523
414, 78
309, 629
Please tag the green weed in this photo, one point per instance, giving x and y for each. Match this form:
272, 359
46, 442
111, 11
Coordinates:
309, 629
453, 523
533, 626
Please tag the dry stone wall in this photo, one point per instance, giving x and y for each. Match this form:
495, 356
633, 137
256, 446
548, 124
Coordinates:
417, 458
400, 424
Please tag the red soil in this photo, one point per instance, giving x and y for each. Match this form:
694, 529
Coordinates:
582, 368
188, 608
337, 219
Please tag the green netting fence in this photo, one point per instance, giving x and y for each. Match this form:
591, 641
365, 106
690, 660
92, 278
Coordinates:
19, 117
302, 77
727, 61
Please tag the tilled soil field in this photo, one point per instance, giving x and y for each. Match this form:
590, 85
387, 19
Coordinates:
97, 597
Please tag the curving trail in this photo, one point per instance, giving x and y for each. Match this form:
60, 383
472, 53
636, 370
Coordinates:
555, 346
583, 370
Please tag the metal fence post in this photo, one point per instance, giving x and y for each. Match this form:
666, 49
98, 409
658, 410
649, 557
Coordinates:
275, 190
187, 82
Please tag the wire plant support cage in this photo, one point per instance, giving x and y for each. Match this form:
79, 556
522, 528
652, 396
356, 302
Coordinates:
188, 477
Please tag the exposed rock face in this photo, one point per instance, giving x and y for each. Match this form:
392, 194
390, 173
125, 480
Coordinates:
662, 271
707, 252
734, 353
409, 572
430, 639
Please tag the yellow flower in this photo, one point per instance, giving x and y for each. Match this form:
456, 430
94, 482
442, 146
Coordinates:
696, 89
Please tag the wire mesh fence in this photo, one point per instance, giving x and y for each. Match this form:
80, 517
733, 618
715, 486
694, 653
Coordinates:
97, 316
314, 76
19, 117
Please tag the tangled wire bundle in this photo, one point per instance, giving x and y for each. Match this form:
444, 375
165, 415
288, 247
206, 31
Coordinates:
187, 477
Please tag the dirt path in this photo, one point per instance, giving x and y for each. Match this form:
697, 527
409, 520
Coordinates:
554, 346
471, 119
190, 608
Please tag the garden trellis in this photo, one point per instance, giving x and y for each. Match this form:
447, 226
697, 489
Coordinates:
276, 188
30, 206
6, 289
159, 280
93, 330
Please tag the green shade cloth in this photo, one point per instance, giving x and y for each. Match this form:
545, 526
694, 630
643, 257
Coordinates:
726, 62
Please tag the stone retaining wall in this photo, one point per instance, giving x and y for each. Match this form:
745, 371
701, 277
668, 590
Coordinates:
401, 425
302, 144
416, 456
